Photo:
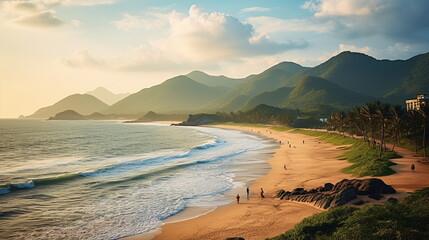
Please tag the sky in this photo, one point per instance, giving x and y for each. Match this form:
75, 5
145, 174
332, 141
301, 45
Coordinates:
50, 49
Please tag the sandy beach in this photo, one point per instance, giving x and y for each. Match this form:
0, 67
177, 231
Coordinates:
309, 164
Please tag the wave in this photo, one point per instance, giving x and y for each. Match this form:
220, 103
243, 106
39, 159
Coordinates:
158, 173
4, 189
149, 161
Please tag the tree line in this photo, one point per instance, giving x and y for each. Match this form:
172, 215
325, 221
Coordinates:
379, 122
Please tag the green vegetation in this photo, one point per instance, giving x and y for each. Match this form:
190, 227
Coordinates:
366, 160
261, 114
380, 122
405, 220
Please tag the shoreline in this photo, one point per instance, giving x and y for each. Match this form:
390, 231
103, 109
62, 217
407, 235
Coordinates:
214, 226
309, 165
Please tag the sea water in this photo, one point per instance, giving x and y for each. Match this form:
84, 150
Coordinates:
106, 180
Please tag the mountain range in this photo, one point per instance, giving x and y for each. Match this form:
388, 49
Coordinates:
343, 81
107, 96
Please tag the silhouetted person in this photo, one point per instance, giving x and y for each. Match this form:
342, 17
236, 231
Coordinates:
413, 168
262, 193
302, 141
248, 192
280, 141
284, 166
238, 198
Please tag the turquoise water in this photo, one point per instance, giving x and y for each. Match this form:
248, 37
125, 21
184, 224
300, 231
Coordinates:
105, 180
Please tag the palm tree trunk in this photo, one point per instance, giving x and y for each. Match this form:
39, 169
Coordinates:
424, 140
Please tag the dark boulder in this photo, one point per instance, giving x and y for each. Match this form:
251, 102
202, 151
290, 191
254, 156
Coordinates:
328, 187
297, 191
343, 196
372, 185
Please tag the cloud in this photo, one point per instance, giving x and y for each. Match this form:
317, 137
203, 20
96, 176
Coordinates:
202, 36
39, 13
150, 22
82, 58
77, 2
272, 24
255, 9
395, 19
194, 40
43, 19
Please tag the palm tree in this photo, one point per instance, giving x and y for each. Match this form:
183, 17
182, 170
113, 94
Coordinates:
397, 124
370, 112
383, 115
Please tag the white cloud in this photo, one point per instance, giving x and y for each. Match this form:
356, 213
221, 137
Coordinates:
150, 22
202, 36
42, 19
272, 24
255, 9
82, 58
395, 19
194, 40
76, 2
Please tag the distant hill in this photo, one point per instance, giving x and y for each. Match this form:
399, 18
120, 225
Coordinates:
369, 78
271, 79
178, 94
68, 115
392, 80
73, 115
83, 104
214, 81
107, 96
307, 93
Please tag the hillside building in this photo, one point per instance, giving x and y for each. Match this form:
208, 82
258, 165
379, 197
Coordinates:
414, 104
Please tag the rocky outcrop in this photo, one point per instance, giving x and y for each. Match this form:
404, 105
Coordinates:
330, 195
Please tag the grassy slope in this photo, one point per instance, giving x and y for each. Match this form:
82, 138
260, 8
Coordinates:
365, 159
406, 220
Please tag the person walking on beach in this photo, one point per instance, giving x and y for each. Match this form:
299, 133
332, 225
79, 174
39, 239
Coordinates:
262, 193
413, 168
302, 141
284, 166
238, 198
248, 192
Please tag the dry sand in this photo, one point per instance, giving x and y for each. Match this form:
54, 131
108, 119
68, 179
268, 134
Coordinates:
309, 165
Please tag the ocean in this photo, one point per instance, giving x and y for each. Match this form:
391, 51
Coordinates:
107, 180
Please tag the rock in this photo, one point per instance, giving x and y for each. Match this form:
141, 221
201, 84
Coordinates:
365, 186
279, 193
372, 185
330, 195
297, 191
343, 196
392, 200
328, 187
376, 196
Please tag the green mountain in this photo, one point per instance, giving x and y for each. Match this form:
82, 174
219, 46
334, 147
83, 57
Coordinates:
73, 115
352, 73
107, 96
83, 104
307, 93
178, 94
214, 81
271, 79
393, 80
